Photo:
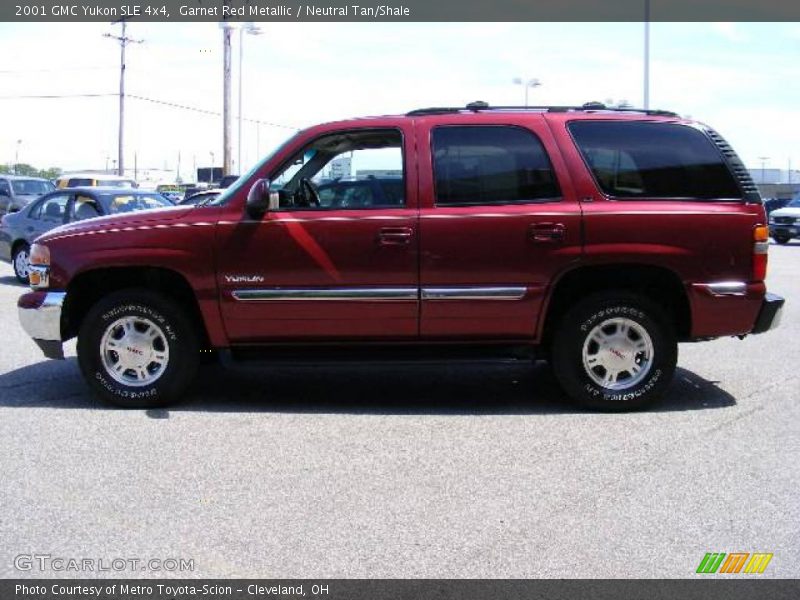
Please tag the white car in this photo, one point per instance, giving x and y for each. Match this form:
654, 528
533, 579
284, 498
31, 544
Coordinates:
784, 223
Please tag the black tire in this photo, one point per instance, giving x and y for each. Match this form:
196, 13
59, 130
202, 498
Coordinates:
781, 238
577, 326
176, 333
24, 247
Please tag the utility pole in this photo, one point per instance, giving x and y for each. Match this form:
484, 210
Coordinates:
123, 40
226, 99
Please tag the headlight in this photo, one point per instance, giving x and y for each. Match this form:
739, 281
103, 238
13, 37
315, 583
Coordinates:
39, 267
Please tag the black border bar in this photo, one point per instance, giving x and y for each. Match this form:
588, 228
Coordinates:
399, 10
701, 588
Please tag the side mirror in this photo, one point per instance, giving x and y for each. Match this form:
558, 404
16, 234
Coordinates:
260, 199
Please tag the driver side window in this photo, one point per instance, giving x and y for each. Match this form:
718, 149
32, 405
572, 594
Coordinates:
345, 170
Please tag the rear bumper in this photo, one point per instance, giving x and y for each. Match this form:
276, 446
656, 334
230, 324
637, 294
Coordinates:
40, 317
769, 317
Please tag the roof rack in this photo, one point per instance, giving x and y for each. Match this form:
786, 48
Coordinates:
480, 106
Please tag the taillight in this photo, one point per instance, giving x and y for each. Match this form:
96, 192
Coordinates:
760, 249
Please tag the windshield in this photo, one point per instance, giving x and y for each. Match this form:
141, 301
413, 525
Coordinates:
795, 203
31, 187
122, 203
236, 185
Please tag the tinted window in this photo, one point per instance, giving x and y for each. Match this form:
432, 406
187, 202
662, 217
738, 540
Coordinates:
80, 182
490, 165
653, 160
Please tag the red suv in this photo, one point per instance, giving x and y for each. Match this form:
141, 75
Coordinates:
594, 238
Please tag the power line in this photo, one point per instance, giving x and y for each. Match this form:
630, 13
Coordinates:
209, 112
54, 96
144, 99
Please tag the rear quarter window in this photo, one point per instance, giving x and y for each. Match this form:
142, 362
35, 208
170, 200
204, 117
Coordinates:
654, 160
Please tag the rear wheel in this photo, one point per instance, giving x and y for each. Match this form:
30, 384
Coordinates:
136, 349
615, 352
21, 262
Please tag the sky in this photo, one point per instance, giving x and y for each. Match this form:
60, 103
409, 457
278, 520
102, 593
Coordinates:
741, 78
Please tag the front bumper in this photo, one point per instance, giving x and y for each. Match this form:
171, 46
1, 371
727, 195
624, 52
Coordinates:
40, 316
769, 317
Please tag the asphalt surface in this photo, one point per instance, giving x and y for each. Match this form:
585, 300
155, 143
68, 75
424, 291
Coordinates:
396, 471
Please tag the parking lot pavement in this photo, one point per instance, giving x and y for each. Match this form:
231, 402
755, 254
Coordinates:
397, 471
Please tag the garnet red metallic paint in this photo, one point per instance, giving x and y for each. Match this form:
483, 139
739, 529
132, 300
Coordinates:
464, 246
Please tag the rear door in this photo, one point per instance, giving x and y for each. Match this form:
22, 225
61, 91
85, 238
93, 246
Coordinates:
498, 222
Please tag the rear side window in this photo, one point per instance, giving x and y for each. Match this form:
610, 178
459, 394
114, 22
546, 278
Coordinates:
490, 165
653, 160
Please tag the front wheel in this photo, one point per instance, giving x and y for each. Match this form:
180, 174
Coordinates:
21, 262
136, 349
615, 352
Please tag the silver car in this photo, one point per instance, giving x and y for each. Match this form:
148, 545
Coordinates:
19, 229
16, 192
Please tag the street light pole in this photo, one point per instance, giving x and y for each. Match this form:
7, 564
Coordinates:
16, 158
250, 29
526, 83
763, 160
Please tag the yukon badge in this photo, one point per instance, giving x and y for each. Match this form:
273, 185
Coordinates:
244, 279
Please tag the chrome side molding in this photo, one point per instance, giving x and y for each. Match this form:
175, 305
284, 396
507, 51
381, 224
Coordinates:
352, 294
474, 293
356, 294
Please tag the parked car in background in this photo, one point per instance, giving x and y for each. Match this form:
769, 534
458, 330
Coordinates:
18, 230
201, 197
771, 204
74, 180
361, 192
16, 192
227, 181
784, 223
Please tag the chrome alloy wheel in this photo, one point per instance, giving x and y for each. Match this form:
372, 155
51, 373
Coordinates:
134, 351
618, 354
22, 263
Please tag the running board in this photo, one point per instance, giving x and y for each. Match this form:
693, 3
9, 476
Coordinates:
293, 354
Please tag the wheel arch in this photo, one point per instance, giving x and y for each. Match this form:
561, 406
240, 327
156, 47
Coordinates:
88, 287
658, 283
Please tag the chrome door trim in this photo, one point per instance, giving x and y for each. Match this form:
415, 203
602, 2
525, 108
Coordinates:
358, 294
326, 294
474, 293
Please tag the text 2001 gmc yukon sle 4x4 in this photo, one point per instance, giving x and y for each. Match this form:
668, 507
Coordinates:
597, 239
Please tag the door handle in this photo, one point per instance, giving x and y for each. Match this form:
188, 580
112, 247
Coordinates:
395, 236
546, 233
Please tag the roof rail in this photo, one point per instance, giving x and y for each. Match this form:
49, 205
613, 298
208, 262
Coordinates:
480, 106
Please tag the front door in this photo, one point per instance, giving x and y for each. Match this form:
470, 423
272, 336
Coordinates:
338, 261
497, 224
